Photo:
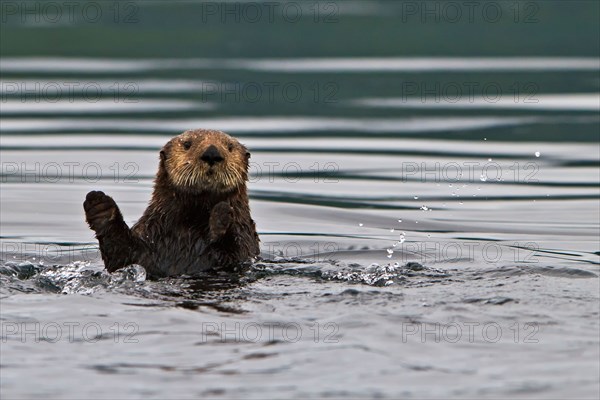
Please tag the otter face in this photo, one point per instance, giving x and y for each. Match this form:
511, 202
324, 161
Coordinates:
205, 161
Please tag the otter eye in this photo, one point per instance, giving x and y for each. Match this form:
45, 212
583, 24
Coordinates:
230, 147
187, 144
247, 155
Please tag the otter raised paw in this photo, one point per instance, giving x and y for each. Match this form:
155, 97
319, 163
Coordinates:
100, 211
117, 244
198, 218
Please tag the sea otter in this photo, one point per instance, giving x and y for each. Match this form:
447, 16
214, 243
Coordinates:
198, 219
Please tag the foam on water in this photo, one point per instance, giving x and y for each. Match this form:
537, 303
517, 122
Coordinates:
81, 277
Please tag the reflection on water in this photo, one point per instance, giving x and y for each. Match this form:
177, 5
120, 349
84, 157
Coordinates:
300, 65
583, 102
398, 194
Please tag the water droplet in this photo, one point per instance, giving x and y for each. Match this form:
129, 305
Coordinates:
483, 178
402, 238
399, 220
390, 251
392, 230
484, 138
428, 235
537, 154
416, 197
489, 159
360, 224
424, 208
460, 202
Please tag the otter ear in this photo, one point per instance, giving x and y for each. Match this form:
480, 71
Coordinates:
164, 151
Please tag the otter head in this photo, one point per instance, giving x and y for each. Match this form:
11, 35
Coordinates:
205, 161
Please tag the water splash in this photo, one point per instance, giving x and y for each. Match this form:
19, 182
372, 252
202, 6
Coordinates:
386, 275
86, 279
409, 274
78, 277
81, 278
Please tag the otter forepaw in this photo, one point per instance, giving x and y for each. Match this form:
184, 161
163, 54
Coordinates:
221, 217
100, 211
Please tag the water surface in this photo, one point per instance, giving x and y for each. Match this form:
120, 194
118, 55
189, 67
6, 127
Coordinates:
428, 213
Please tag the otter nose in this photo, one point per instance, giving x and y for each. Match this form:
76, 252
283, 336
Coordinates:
211, 156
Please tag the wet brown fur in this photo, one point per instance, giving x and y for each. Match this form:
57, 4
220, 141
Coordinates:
198, 218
